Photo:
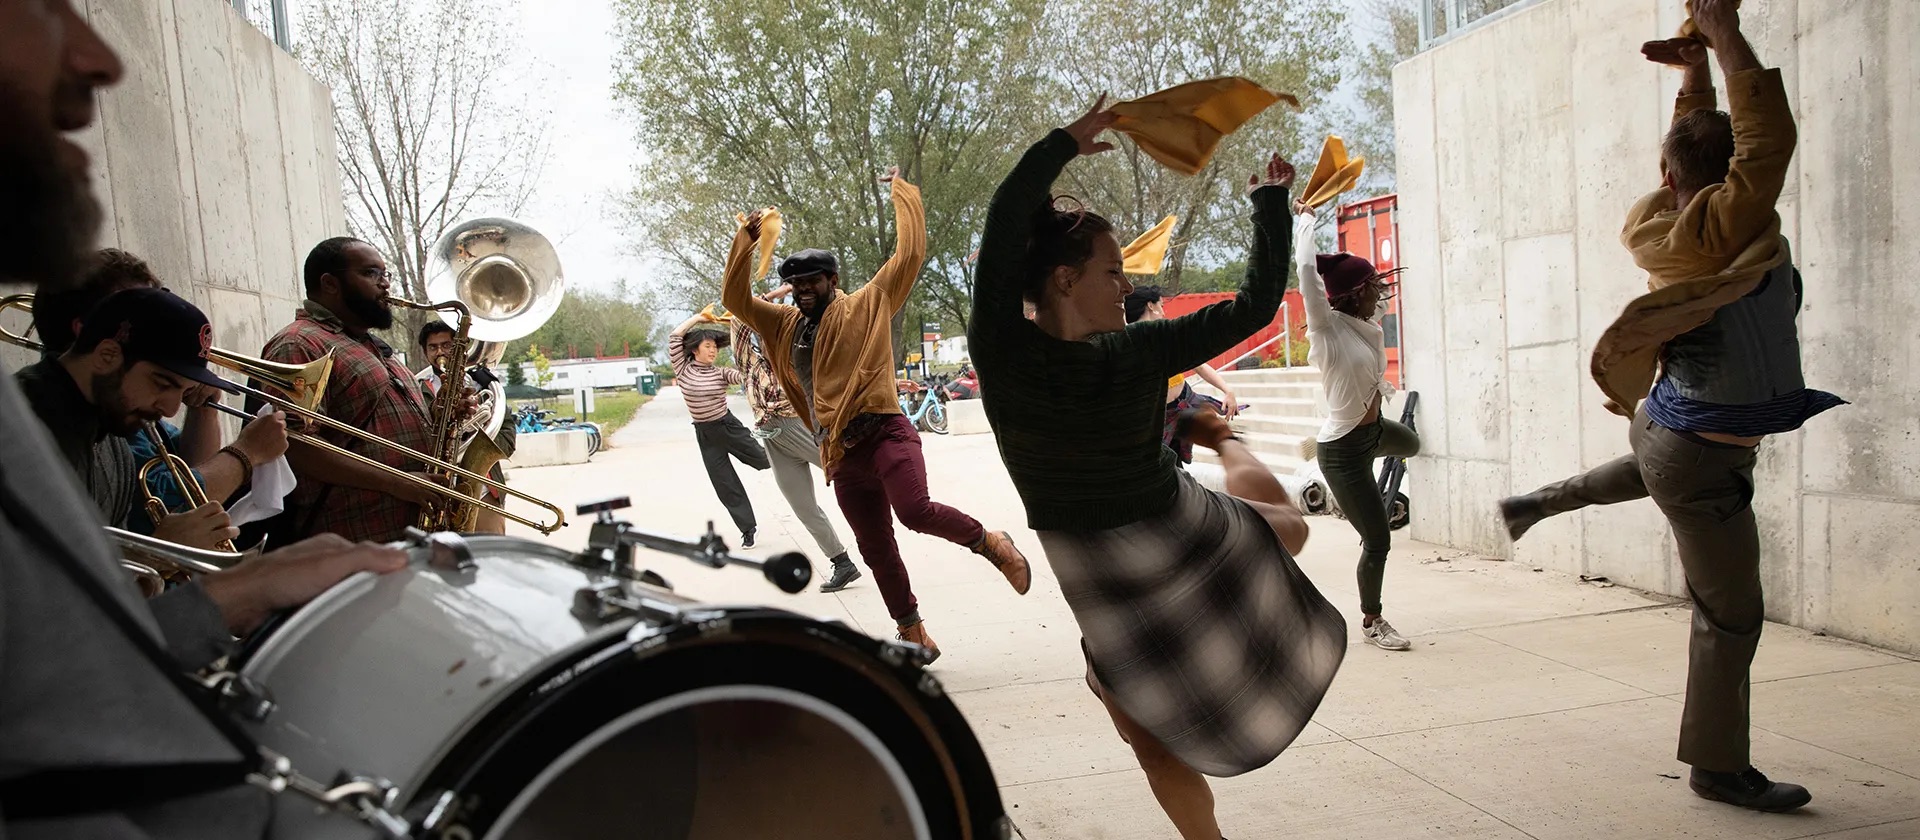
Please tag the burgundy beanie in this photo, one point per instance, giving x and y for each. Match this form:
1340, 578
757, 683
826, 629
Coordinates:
1343, 273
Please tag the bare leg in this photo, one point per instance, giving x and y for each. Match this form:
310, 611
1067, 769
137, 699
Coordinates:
1248, 478
1183, 793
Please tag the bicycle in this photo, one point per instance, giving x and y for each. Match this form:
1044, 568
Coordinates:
924, 407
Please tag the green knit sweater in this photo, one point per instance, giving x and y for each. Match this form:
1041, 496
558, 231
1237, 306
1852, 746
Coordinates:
1078, 423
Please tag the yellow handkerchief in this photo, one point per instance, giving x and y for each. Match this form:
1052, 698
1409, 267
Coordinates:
1146, 254
769, 237
1181, 126
722, 318
1333, 175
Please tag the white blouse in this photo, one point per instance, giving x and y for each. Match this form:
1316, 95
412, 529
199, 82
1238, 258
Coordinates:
1350, 352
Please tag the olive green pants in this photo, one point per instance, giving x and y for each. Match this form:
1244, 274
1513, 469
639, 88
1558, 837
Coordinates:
1706, 491
1347, 465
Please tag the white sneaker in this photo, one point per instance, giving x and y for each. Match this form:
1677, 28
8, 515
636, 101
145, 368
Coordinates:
1383, 636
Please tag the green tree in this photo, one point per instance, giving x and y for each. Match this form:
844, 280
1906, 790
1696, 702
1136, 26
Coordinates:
542, 369
516, 375
595, 323
1394, 27
1134, 47
801, 105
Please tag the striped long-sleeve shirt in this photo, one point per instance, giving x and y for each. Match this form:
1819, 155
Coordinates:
703, 385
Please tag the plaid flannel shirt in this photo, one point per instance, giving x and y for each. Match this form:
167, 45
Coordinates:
769, 402
370, 390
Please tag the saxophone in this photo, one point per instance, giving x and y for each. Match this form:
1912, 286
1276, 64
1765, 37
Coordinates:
449, 417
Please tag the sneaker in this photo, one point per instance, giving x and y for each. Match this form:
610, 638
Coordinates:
916, 633
746, 538
1748, 788
1519, 513
844, 574
1382, 635
998, 547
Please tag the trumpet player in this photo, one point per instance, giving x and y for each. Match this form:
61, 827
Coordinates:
221, 470
347, 285
436, 346
132, 362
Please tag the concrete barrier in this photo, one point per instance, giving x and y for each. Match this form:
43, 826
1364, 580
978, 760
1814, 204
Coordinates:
967, 417
546, 449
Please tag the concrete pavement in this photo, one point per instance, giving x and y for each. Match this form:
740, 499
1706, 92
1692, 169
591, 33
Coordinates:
1533, 705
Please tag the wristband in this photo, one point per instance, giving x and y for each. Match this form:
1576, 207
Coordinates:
246, 463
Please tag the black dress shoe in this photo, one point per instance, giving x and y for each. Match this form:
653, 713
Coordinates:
844, 574
746, 538
1520, 514
1749, 788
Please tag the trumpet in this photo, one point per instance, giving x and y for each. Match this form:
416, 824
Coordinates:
154, 562
302, 387
182, 475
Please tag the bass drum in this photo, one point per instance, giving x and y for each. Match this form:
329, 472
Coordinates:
529, 699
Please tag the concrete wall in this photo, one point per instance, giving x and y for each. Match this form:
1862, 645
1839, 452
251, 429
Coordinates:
1521, 145
214, 160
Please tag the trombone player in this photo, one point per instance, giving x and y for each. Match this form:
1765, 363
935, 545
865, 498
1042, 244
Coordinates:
132, 362
347, 286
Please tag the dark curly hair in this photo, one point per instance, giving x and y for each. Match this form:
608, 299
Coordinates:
109, 271
1062, 233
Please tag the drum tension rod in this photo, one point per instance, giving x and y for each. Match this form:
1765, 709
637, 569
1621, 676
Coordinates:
368, 800
611, 542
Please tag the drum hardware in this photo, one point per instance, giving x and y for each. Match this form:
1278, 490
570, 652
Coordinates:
368, 800
611, 542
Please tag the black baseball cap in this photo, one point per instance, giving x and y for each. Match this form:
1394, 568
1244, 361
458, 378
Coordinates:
808, 263
158, 327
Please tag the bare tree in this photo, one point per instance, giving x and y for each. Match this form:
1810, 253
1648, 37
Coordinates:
427, 133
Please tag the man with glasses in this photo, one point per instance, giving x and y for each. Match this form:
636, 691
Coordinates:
347, 282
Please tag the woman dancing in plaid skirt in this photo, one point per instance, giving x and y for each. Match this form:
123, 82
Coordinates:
1208, 646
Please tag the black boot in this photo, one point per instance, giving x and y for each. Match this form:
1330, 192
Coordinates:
1520, 513
844, 573
1749, 788
746, 538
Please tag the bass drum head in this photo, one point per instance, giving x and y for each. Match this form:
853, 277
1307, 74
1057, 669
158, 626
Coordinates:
756, 725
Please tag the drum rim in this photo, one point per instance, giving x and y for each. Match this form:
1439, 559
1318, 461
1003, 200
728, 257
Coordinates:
472, 755
726, 691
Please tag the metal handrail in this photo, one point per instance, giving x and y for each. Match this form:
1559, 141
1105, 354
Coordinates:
1286, 329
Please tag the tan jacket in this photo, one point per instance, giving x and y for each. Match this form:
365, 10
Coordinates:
853, 350
1708, 254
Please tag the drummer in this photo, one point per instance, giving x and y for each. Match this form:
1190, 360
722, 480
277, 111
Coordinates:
100, 736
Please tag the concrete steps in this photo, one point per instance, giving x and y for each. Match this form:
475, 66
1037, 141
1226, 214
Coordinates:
1283, 409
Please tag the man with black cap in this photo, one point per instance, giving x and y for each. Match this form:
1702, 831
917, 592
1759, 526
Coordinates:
134, 359
1342, 294
100, 733
833, 352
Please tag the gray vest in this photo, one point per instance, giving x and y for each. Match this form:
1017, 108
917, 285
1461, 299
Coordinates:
1750, 351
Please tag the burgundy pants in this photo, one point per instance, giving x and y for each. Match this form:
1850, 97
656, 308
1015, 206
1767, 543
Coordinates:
884, 476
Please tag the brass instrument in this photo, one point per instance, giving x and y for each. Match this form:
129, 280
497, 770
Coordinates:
303, 386
182, 475
154, 562
497, 280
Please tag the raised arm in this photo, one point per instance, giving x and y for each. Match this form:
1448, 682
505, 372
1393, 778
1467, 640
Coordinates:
1185, 342
1313, 292
895, 279
1764, 136
997, 295
736, 286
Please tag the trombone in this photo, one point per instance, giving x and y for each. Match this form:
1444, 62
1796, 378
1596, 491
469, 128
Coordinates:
303, 386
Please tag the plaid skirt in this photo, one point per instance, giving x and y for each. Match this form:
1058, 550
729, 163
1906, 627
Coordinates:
1200, 627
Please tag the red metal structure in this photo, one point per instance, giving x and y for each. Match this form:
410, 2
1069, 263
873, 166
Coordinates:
1290, 316
1371, 229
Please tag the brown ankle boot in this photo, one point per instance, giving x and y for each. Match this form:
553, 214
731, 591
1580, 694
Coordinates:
916, 633
998, 548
